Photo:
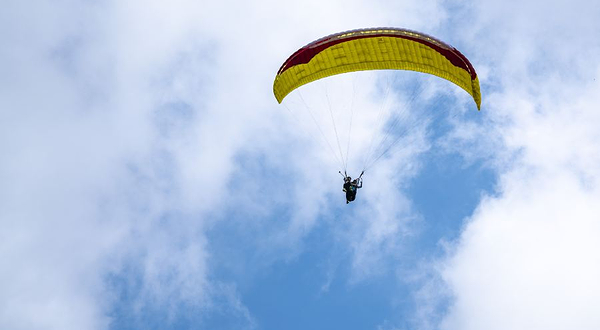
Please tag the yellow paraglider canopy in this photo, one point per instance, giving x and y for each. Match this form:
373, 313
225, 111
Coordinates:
376, 49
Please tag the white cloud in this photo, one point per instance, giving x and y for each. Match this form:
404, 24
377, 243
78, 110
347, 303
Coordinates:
528, 257
88, 185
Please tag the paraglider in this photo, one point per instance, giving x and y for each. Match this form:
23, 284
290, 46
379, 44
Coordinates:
374, 49
351, 186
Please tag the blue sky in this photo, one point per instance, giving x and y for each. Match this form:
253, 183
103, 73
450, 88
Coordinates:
150, 180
